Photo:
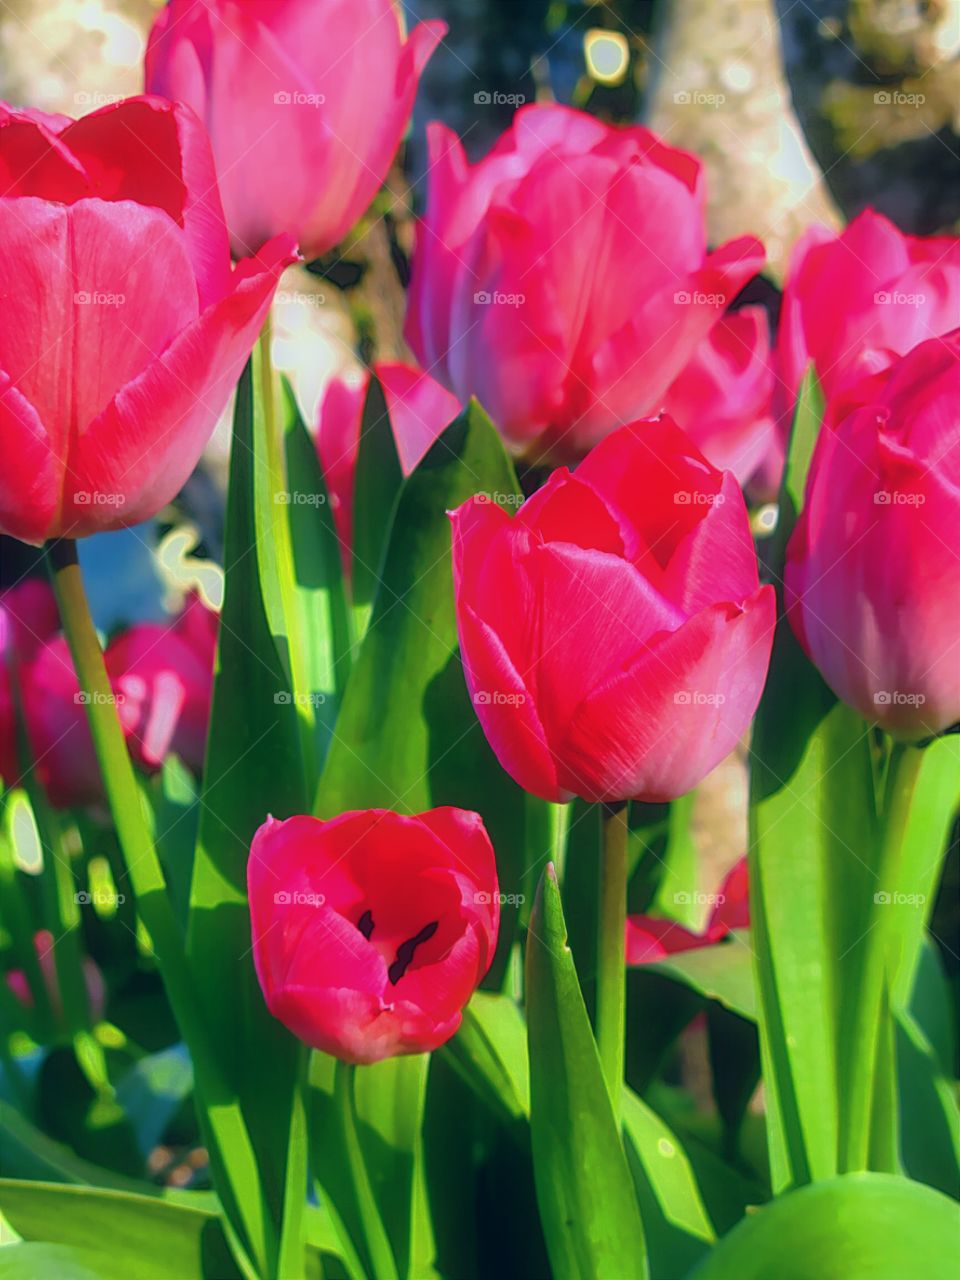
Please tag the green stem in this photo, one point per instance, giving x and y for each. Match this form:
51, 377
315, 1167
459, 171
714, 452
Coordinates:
290, 1256
146, 876
611, 959
861, 1046
376, 1243
279, 544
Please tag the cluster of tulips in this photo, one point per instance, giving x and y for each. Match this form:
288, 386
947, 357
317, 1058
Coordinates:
614, 628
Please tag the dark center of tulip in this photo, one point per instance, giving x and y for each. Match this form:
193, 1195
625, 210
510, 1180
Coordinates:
406, 949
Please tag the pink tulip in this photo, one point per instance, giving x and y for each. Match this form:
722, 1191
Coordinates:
872, 575
306, 102
564, 280
853, 302
419, 410
123, 329
165, 674
161, 681
650, 938
614, 635
722, 397
372, 931
44, 944
28, 618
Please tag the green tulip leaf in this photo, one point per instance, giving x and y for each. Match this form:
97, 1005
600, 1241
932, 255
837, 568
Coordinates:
587, 1204
858, 1227
118, 1233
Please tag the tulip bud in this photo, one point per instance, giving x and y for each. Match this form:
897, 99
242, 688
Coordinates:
564, 280
372, 930
614, 635
123, 329
872, 575
304, 128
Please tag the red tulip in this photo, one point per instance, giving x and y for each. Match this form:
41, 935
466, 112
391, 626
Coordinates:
722, 397
123, 328
371, 931
650, 938
614, 635
872, 576
165, 674
306, 102
853, 302
564, 280
419, 410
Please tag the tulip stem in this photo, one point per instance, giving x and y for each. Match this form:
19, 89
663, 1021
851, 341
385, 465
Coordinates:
611, 957
861, 1048
376, 1243
146, 877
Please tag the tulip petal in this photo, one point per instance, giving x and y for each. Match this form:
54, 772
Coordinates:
30, 476
157, 153
419, 407
186, 387
506, 710
656, 729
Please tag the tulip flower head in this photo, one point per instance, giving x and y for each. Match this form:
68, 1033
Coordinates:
372, 930
614, 635
123, 328
305, 101
872, 575
854, 302
652, 938
722, 397
564, 280
419, 410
